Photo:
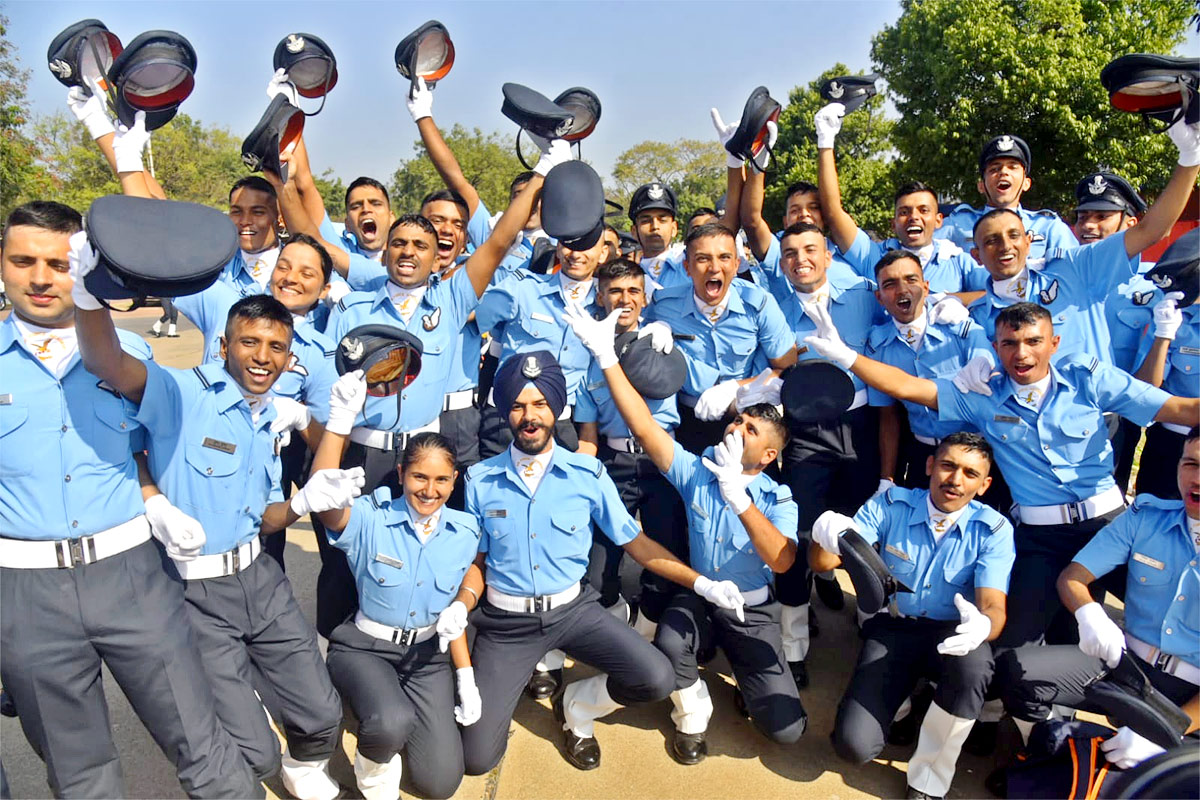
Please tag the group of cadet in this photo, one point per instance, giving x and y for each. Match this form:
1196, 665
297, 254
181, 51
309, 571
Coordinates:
996, 356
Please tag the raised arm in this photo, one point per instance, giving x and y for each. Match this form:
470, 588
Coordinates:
99, 347
1170, 204
482, 264
758, 232
297, 219
300, 171
420, 106
842, 227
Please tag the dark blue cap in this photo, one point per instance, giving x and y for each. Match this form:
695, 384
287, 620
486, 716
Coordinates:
1104, 191
573, 205
537, 368
1006, 146
652, 195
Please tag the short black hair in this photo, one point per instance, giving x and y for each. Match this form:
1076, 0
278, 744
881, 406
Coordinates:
414, 219
913, 187
322, 253
258, 306
521, 177
255, 182
365, 181
995, 212
428, 440
800, 187
619, 268
770, 415
1018, 315
892, 256
968, 441
797, 228
448, 196
1194, 433
707, 230
47, 215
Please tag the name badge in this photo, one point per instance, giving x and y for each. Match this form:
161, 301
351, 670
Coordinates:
1190, 351
542, 317
898, 553
1148, 561
1007, 418
217, 444
495, 513
6, 399
391, 562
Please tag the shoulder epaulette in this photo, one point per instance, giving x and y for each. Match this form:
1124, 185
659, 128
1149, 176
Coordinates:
330, 353
200, 377
1045, 212
381, 497
1144, 501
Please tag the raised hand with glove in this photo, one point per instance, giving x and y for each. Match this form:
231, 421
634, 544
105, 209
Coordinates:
765, 388
281, 83
290, 415
1127, 749
346, 401
726, 464
81, 260
828, 122
884, 485
948, 310
451, 624
420, 101
1099, 636
662, 339
724, 134
329, 489
1187, 141
722, 594
972, 631
89, 109
470, 704
597, 335
1167, 316
181, 535
130, 143
974, 376
827, 341
554, 152
716, 400
828, 529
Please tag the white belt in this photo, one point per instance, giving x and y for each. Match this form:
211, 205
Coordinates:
218, 565
565, 414
457, 401
70, 553
925, 440
1182, 430
756, 597
404, 636
1070, 513
860, 400
1172, 665
389, 440
628, 444
531, 605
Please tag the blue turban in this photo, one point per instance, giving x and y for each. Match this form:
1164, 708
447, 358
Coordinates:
538, 369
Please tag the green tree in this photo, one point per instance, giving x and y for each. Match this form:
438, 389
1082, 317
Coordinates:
74, 168
333, 192
694, 169
488, 161
20, 177
959, 75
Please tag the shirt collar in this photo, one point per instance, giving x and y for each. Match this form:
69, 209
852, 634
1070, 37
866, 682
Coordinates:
227, 390
8, 332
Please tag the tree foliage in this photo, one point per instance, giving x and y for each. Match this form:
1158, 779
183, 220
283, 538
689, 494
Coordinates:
961, 75
489, 162
19, 173
865, 169
694, 169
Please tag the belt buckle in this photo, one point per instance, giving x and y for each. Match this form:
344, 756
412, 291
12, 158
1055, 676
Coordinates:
406, 637
75, 550
635, 446
1074, 515
539, 603
1164, 662
235, 560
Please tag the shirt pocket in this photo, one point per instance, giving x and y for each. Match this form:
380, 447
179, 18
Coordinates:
447, 582
388, 576
959, 571
1145, 574
17, 458
217, 472
497, 527
1082, 438
902, 567
573, 521
109, 435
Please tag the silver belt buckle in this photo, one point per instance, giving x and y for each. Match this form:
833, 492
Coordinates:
235, 560
539, 603
1074, 513
1165, 662
406, 637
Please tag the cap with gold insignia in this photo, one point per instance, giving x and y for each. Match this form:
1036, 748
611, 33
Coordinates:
652, 195
1105, 191
389, 356
1005, 146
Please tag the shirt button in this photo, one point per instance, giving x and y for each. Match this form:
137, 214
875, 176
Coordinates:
67, 479
420, 583
1169, 631
381, 580
533, 536
1004, 437
412, 613
535, 566
1086, 431
123, 426
1045, 447
719, 540
716, 569
208, 471
64, 428
1180, 598
924, 613
74, 523
1142, 579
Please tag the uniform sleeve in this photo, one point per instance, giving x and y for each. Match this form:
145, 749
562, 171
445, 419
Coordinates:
479, 227
683, 467
700, 375
1102, 266
775, 336
165, 399
349, 540
976, 344
784, 515
878, 399
330, 233
956, 406
777, 282
498, 304
974, 276
321, 377
1117, 390
609, 513
871, 519
472, 507
1060, 237
463, 297
203, 309
275, 474
1111, 547
996, 557
863, 254
585, 406
365, 275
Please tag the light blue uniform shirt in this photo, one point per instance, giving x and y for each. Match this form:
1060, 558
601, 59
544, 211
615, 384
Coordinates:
402, 582
236, 275
778, 282
1061, 454
207, 455
437, 322
594, 403
539, 543
1050, 233
752, 326
66, 446
670, 273
719, 545
949, 268
1162, 591
524, 312
944, 350
1181, 373
1073, 286
1129, 311
977, 553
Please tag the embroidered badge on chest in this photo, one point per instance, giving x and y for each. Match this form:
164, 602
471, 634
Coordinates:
432, 320
1049, 294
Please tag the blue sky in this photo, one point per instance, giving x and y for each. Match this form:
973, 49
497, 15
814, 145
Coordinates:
656, 66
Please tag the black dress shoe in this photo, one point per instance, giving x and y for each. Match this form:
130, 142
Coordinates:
799, 673
981, 741
581, 753
7, 707
544, 684
916, 794
689, 748
830, 593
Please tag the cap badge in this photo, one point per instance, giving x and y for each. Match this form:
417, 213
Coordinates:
531, 369
836, 90
1098, 185
1161, 281
564, 127
655, 192
60, 68
295, 43
353, 348
251, 161
1005, 143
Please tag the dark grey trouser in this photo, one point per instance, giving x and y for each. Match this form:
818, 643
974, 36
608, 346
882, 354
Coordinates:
755, 651
509, 644
252, 617
461, 427
57, 625
404, 700
896, 653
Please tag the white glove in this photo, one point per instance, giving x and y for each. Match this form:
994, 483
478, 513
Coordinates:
727, 466
1167, 316
828, 528
558, 151
290, 415
346, 401
974, 376
764, 388
89, 109
715, 400
884, 485
597, 335
950, 311
722, 594
1099, 636
662, 340
470, 704
970, 633
182, 535
328, 489
764, 156
1187, 140
420, 101
828, 122
280, 83
337, 290
129, 143
724, 134
1127, 749
827, 341
81, 260
451, 623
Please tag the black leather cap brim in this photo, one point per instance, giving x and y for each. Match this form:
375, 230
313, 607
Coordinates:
127, 114
277, 132
1178, 268
816, 391
748, 139
534, 112
656, 376
867, 571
